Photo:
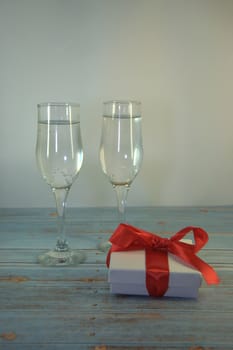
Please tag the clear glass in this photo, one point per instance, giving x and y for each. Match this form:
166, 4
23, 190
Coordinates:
59, 155
121, 149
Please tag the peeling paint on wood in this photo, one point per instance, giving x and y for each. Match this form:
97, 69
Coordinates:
8, 336
15, 279
200, 348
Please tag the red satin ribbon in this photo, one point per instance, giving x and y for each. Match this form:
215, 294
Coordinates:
127, 237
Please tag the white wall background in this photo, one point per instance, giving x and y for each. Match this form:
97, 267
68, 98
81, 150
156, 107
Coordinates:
176, 56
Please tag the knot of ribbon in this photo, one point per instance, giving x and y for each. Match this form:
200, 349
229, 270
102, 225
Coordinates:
160, 243
128, 238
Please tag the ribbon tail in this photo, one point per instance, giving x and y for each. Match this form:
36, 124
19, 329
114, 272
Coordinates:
208, 273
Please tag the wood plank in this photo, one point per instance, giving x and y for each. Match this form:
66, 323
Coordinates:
115, 328
24, 287
94, 256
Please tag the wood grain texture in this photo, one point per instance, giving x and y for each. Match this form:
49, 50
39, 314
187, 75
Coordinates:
71, 308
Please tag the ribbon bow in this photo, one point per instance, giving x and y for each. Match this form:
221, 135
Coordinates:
127, 237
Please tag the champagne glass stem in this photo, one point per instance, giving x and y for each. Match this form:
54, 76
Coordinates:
121, 194
61, 195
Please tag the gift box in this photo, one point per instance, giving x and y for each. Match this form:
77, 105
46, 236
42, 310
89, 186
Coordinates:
127, 275
142, 263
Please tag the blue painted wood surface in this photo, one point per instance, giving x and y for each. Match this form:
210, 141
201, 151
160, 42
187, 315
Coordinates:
71, 308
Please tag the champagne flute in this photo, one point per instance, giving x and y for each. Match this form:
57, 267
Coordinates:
59, 155
121, 149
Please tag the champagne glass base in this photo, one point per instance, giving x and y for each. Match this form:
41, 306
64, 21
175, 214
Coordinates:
62, 258
104, 246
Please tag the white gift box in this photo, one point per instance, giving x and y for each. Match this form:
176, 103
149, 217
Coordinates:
127, 275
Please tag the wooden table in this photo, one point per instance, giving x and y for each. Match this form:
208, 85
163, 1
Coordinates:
71, 308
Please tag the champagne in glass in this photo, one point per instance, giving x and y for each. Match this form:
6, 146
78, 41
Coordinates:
59, 155
121, 150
